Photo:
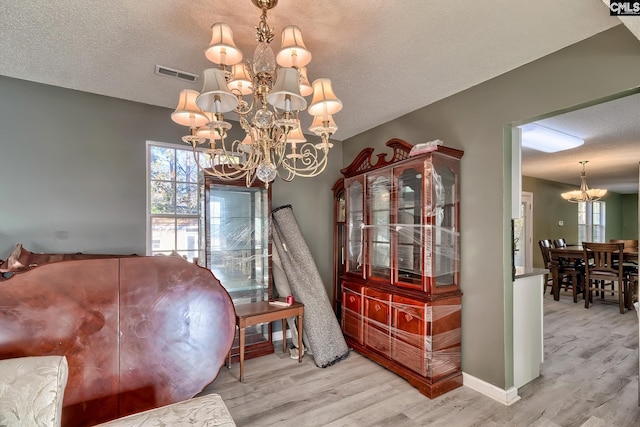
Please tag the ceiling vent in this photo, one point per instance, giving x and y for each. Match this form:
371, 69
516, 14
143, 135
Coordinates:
170, 72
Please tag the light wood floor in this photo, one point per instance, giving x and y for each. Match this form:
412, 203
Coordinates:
589, 378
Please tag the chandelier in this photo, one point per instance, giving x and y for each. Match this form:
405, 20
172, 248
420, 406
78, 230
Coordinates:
267, 99
585, 194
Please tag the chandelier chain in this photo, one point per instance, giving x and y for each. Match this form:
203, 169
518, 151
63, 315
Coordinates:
264, 33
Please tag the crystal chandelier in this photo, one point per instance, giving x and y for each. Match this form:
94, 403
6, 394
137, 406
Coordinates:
585, 194
267, 99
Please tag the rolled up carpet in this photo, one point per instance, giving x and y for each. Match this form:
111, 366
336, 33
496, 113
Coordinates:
321, 327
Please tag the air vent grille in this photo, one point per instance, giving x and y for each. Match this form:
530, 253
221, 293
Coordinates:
178, 74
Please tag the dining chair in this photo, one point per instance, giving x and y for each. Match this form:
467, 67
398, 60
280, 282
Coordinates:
559, 243
632, 288
629, 265
628, 244
567, 273
603, 266
545, 245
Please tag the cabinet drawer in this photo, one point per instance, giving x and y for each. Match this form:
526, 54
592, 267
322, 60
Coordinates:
377, 307
377, 320
352, 298
409, 321
409, 355
409, 333
352, 314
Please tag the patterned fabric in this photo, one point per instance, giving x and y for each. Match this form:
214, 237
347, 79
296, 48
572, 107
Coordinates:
31, 390
208, 410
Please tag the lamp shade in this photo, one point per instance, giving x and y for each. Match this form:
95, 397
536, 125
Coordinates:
285, 93
324, 101
585, 194
240, 79
187, 113
323, 124
296, 135
208, 133
305, 86
293, 52
215, 96
222, 50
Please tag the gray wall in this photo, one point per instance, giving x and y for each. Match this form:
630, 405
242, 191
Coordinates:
72, 167
73, 174
312, 203
474, 121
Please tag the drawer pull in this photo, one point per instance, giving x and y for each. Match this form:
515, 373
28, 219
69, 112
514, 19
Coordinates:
377, 307
352, 298
408, 317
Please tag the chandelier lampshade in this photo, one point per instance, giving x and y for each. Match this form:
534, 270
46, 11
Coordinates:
285, 93
293, 52
267, 94
187, 113
240, 82
305, 86
585, 194
324, 101
323, 124
216, 96
207, 132
222, 50
296, 135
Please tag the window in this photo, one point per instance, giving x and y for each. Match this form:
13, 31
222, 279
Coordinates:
591, 222
173, 214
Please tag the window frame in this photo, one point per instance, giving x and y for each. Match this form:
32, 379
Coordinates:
591, 228
175, 216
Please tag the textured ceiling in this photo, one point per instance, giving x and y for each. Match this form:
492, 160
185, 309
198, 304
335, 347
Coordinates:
385, 58
611, 132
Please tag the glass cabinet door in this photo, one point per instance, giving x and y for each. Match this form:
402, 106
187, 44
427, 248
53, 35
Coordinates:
378, 222
237, 246
409, 228
339, 245
446, 237
355, 224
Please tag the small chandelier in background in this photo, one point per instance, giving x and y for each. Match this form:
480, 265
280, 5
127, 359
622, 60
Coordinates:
585, 194
274, 144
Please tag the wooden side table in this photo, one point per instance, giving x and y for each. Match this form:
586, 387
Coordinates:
263, 312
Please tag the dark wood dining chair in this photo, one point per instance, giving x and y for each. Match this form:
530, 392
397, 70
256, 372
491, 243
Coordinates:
632, 290
567, 274
628, 244
629, 265
559, 243
603, 266
545, 245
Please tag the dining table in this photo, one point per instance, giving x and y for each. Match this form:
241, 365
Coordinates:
575, 253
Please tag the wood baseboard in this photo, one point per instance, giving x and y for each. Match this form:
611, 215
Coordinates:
506, 397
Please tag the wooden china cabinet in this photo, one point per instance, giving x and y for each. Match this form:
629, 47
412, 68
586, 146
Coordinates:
237, 250
400, 294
